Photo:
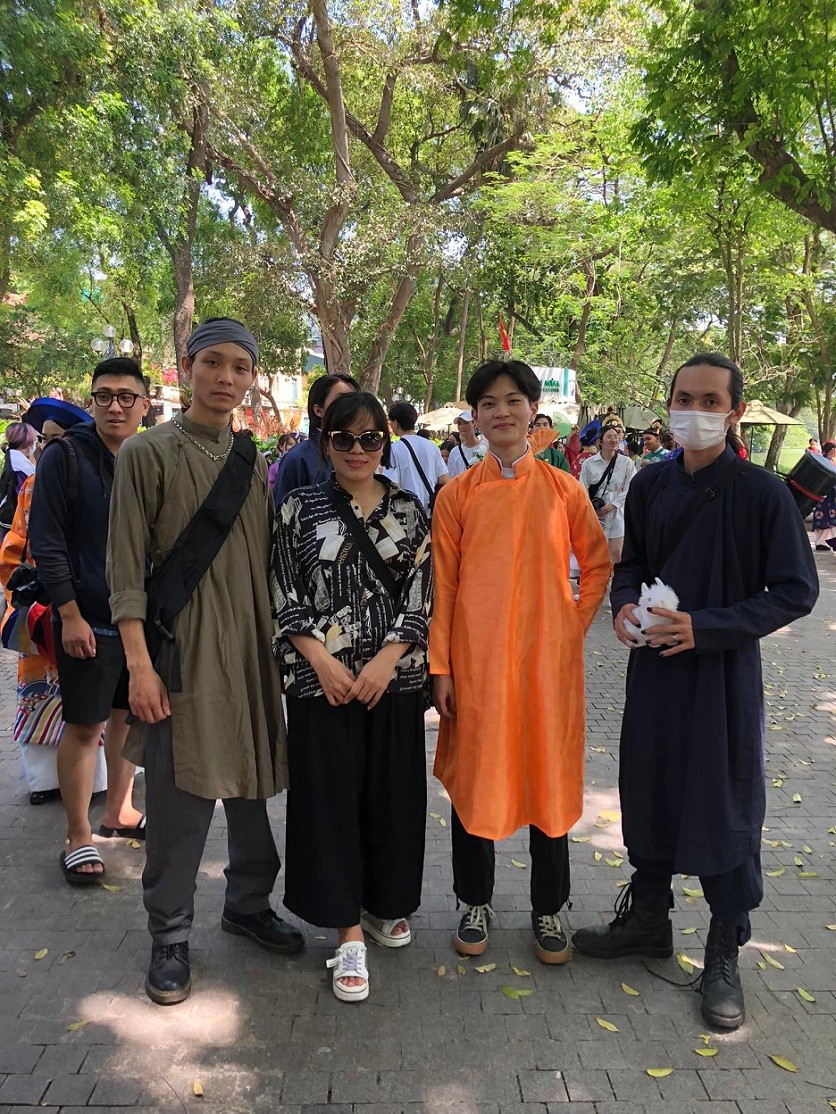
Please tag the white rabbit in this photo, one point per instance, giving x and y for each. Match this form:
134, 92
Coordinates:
656, 595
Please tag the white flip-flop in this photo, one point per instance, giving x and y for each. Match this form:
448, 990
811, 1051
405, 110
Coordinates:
383, 932
349, 962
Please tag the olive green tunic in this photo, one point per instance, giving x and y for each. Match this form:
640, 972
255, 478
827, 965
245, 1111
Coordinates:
227, 723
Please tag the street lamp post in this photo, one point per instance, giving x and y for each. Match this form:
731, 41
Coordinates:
106, 347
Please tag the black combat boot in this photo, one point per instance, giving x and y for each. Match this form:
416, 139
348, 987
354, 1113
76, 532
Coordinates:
641, 927
722, 994
169, 976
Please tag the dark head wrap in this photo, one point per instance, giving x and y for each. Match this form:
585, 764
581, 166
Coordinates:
222, 330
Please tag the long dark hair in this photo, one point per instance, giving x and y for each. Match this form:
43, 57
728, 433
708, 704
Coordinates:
717, 359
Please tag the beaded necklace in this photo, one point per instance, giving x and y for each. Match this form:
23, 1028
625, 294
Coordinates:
203, 449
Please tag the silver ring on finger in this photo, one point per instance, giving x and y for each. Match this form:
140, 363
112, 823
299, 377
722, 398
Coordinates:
675, 641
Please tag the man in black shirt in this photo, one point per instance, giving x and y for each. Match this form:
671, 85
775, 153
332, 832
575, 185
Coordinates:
73, 490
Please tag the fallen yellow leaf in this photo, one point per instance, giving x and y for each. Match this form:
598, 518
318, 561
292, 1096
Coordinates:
658, 1073
797, 860
320, 937
135, 844
776, 873
42, 954
110, 889
772, 962
521, 973
435, 815
461, 970
442, 822
772, 842
629, 990
608, 1025
598, 856
830, 927
831, 831
788, 948
685, 963
517, 863
706, 1051
778, 782
613, 862
515, 993
807, 850
197, 1087
808, 874
687, 931
486, 968
580, 839
782, 1062
612, 816
76, 1025
441, 971
796, 800
761, 965
706, 1038
802, 993
691, 893
621, 882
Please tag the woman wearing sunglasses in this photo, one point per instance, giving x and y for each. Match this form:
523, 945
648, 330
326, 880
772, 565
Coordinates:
352, 590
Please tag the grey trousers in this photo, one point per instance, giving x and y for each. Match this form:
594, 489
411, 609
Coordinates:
176, 830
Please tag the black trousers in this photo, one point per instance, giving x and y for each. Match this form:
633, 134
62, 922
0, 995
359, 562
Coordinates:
474, 868
730, 896
356, 809
176, 830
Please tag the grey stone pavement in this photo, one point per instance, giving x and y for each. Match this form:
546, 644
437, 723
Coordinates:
265, 1033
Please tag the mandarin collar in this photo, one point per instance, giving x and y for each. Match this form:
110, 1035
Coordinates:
705, 476
207, 431
521, 466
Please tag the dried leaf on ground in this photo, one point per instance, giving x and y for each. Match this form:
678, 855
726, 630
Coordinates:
515, 993
796, 798
64, 958
76, 1025
608, 1025
789, 948
772, 962
830, 927
658, 1073
761, 965
783, 1062
685, 963
614, 862
485, 968
808, 874
691, 893
521, 973
442, 822
441, 971
580, 839
612, 816
461, 969
435, 815
687, 931
797, 860
518, 864
598, 856
706, 1038
135, 844
110, 889
42, 954
804, 994
630, 990
706, 1051
776, 873
807, 849
197, 1088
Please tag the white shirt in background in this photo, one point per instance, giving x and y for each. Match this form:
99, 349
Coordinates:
462, 458
402, 469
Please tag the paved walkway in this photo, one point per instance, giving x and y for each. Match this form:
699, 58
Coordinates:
264, 1033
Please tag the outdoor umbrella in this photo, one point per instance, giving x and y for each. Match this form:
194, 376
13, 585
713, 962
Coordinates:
757, 413
443, 418
54, 410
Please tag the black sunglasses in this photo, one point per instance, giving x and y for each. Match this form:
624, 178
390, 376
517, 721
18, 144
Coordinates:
371, 440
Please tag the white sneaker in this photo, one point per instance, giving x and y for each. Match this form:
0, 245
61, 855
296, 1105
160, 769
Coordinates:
349, 962
383, 932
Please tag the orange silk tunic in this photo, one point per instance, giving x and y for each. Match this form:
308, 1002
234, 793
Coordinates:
506, 627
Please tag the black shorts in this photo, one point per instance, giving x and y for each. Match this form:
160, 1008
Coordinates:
90, 687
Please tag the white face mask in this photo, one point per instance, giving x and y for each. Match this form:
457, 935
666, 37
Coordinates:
698, 429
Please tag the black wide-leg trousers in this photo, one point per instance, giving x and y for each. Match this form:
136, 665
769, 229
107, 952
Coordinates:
356, 809
730, 896
474, 865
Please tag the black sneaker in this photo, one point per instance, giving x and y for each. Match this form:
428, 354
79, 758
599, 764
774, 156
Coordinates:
471, 937
169, 977
722, 992
639, 928
550, 943
266, 929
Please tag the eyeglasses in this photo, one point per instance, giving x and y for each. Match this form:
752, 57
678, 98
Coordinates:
126, 399
371, 440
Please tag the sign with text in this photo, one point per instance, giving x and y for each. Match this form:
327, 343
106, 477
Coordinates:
558, 383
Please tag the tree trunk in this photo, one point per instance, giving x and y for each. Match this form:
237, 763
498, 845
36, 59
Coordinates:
664, 361
184, 308
463, 339
136, 339
773, 454
580, 343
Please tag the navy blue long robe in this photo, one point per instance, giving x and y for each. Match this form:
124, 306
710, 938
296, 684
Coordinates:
691, 774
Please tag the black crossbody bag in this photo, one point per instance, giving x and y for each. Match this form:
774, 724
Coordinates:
430, 490
359, 535
597, 502
169, 587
